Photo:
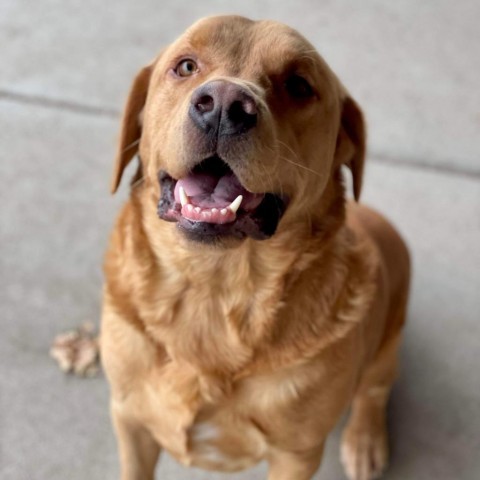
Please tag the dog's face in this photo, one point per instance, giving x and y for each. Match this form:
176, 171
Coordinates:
239, 123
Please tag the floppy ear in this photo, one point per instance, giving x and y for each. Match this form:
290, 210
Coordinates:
131, 127
351, 143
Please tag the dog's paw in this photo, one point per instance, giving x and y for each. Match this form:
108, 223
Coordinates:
77, 351
364, 452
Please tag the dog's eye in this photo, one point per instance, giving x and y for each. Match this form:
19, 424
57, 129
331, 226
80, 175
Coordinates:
298, 87
186, 68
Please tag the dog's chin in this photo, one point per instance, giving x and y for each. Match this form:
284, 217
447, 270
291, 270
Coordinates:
210, 205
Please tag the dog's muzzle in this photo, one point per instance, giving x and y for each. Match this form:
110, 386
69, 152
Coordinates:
209, 202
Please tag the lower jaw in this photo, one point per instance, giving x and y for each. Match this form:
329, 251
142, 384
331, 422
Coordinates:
260, 224
244, 226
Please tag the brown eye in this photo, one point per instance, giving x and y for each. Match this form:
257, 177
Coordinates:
186, 68
298, 87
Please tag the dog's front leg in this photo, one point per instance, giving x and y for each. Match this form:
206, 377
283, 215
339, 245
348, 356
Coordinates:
138, 450
294, 466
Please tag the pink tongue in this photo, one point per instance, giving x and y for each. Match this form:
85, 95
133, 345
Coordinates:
208, 191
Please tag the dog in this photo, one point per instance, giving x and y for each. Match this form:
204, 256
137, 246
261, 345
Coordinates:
247, 303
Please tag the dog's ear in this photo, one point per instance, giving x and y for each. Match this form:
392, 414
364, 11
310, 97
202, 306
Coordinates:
131, 128
351, 143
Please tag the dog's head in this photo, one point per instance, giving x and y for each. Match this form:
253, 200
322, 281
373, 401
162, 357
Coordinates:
239, 123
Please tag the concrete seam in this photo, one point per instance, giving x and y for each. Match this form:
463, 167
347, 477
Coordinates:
74, 107
58, 104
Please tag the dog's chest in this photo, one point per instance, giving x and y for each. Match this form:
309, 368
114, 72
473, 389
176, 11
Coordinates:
229, 433
219, 435
218, 327
213, 327
226, 441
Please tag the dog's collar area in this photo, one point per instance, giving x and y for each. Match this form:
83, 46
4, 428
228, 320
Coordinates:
210, 203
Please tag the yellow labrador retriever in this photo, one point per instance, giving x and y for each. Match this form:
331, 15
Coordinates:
247, 304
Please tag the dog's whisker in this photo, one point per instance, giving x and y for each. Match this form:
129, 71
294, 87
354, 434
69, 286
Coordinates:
133, 144
137, 182
295, 163
299, 165
268, 174
289, 149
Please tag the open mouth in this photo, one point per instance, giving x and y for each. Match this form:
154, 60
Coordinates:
210, 202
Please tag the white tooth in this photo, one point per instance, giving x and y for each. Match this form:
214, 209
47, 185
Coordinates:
214, 210
198, 209
235, 205
183, 196
223, 211
189, 207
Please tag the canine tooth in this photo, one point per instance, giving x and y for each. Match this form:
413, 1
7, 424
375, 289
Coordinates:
235, 205
223, 211
183, 196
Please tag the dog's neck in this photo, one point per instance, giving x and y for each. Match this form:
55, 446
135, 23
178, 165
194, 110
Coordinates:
226, 302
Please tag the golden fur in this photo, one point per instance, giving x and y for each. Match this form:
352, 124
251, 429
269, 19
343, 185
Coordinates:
226, 355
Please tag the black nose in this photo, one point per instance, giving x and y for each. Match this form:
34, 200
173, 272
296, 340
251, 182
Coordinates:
223, 108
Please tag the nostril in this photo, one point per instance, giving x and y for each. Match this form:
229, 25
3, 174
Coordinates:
205, 104
242, 112
236, 112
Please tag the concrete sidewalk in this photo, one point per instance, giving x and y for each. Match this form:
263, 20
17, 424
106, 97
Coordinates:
66, 69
